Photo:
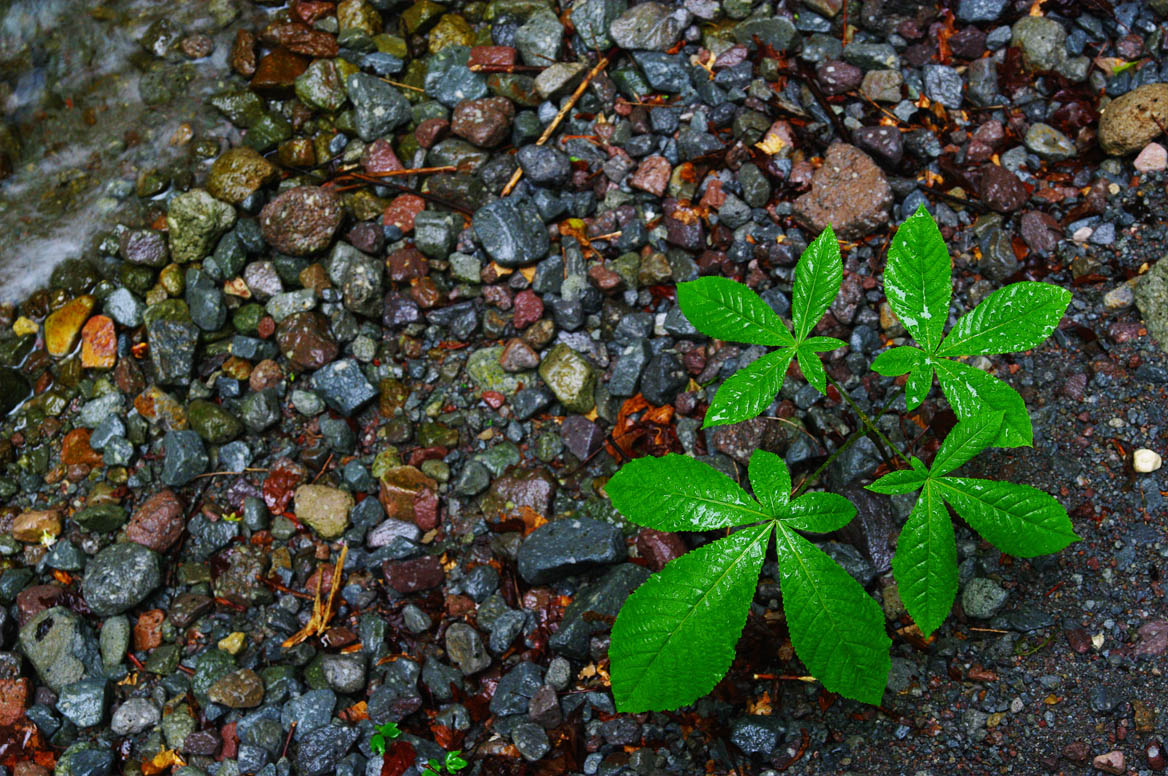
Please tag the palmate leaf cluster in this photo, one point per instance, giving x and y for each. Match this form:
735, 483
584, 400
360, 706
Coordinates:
675, 636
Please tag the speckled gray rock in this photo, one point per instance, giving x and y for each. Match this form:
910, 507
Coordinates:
651, 26
563, 547
466, 649
83, 702
378, 107
59, 646
134, 716
983, 598
1042, 40
1151, 296
120, 577
511, 232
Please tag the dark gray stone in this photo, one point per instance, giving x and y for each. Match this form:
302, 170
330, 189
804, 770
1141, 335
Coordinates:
514, 692
343, 386
568, 546
120, 577
511, 232
184, 457
604, 596
378, 107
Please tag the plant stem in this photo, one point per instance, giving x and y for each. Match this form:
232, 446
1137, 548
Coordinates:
866, 420
807, 483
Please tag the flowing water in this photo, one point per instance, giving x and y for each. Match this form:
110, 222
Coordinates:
89, 112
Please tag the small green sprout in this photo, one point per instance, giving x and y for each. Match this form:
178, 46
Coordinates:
387, 732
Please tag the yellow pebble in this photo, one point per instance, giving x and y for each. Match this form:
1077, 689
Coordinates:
24, 326
232, 644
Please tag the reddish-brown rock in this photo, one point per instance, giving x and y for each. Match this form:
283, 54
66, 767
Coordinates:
158, 522
849, 192
410, 576
485, 122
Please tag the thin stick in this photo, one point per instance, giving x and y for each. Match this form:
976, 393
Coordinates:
400, 85
551, 128
866, 420
807, 483
415, 171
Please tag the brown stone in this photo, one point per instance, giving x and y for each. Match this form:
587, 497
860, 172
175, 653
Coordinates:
410, 576
238, 173
14, 695
243, 57
485, 122
652, 175
75, 449
407, 263
849, 192
379, 157
301, 220
148, 630
431, 131
32, 526
1000, 189
266, 374
1133, 120
301, 39
158, 522
1112, 762
278, 71
402, 488
35, 599
402, 210
305, 340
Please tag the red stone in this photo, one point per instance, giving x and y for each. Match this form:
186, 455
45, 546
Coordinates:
301, 39
431, 131
402, 210
158, 522
491, 56
528, 308
410, 576
99, 343
379, 157
13, 699
148, 630
35, 599
406, 264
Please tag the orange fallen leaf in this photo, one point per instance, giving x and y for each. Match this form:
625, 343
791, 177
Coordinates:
161, 762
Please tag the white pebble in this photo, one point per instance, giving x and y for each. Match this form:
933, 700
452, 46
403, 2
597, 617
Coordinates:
1145, 460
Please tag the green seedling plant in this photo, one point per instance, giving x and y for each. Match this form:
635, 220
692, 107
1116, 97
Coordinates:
451, 763
384, 733
675, 636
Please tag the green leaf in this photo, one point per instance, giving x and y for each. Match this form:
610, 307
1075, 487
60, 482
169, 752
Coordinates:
818, 512
454, 762
836, 627
901, 481
917, 279
677, 493
965, 440
1017, 317
910, 360
897, 361
770, 479
812, 369
675, 635
820, 344
818, 276
918, 385
1017, 519
925, 563
377, 743
971, 391
727, 310
749, 391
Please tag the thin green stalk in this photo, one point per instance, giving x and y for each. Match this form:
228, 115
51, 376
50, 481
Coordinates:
866, 420
807, 483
